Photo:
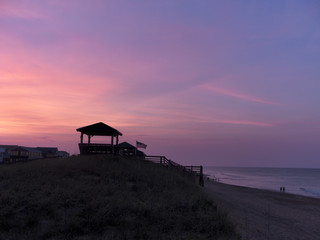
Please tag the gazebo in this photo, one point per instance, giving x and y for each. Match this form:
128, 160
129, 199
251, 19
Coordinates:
98, 129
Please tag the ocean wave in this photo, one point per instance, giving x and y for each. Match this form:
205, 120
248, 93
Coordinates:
310, 192
232, 176
298, 181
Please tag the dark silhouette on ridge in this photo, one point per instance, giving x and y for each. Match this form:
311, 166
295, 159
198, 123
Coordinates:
99, 129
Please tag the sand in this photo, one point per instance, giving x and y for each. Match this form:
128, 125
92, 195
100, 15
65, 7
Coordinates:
261, 214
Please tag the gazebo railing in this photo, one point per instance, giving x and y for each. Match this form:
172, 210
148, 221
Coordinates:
96, 148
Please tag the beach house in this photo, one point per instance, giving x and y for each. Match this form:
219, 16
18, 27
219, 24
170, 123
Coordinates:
126, 149
6, 154
62, 154
48, 152
24, 153
2, 151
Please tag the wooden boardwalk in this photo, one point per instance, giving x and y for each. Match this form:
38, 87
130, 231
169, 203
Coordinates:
193, 171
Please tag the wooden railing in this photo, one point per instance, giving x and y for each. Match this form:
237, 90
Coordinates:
196, 171
95, 148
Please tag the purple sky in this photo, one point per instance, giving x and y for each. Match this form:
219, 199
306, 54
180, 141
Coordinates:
227, 83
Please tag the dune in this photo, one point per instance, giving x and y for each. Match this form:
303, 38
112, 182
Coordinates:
105, 197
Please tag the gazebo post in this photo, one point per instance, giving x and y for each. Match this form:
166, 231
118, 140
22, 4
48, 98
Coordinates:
81, 138
89, 139
117, 142
112, 144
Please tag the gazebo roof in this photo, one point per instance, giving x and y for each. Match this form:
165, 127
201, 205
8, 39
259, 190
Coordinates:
99, 129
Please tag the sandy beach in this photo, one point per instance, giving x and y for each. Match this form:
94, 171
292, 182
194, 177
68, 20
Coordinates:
261, 214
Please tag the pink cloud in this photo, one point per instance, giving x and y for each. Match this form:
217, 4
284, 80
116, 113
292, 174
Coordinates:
238, 95
53, 95
252, 123
186, 116
35, 102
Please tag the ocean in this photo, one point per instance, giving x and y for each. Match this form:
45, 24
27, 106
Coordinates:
302, 181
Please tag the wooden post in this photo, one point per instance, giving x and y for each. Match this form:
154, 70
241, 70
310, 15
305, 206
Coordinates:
117, 143
81, 138
201, 180
112, 145
89, 139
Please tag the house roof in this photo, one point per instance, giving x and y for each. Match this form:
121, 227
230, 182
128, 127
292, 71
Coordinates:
125, 145
52, 150
8, 147
99, 129
29, 149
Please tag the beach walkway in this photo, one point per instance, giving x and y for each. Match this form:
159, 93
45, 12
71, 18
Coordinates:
260, 214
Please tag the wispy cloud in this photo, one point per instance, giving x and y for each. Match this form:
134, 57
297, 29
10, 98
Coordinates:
251, 123
238, 95
178, 113
19, 10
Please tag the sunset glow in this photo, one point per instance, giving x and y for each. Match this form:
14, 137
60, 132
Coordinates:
206, 82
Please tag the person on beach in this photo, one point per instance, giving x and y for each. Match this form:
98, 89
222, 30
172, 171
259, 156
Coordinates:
280, 189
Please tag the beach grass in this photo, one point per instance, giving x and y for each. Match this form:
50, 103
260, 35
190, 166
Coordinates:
105, 197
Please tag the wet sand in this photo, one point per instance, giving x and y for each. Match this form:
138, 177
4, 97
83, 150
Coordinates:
261, 214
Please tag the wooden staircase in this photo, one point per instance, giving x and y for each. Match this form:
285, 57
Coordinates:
194, 171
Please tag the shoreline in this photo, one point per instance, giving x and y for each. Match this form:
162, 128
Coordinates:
265, 214
301, 181
211, 180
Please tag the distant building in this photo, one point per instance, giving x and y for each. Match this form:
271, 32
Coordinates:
62, 154
6, 154
2, 151
24, 154
48, 152
14, 153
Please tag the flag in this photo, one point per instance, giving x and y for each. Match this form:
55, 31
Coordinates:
141, 145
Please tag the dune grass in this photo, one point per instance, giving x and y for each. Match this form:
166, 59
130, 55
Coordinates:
104, 197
